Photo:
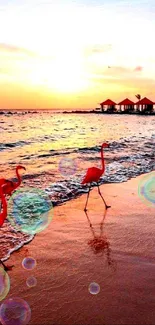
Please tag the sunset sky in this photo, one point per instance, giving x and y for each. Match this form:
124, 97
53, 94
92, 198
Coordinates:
75, 54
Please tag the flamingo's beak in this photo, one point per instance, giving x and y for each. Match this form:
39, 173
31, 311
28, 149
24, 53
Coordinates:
24, 168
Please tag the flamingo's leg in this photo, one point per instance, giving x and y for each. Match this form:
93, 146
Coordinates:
6, 267
88, 219
87, 200
2, 264
107, 206
101, 224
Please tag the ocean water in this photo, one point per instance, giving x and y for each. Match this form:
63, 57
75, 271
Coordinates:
57, 149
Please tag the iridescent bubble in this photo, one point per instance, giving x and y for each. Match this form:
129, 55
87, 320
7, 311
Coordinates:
146, 189
4, 284
31, 282
94, 288
30, 210
15, 311
67, 166
29, 263
142, 190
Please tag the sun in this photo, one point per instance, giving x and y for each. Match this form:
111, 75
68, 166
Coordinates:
68, 81
65, 73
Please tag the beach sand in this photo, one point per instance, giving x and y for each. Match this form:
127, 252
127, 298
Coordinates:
66, 263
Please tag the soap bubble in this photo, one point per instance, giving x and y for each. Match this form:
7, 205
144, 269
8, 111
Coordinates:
15, 311
31, 282
29, 263
4, 284
146, 189
94, 288
30, 210
67, 166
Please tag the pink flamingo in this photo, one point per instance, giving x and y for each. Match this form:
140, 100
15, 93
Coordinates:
93, 175
3, 216
10, 185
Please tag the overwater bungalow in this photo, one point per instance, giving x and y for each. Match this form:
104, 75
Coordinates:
145, 105
127, 105
109, 105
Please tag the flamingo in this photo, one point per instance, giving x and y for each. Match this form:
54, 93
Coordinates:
3, 216
10, 185
93, 175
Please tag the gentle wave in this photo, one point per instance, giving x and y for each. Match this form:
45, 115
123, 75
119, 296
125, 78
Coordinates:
130, 155
12, 145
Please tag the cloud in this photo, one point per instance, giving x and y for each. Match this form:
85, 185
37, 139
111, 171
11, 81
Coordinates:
101, 48
14, 49
119, 69
123, 82
111, 72
138, 68
115, 72
97, 49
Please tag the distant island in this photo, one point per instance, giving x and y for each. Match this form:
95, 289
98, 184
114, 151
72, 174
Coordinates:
21, 112
96, 111
144, 106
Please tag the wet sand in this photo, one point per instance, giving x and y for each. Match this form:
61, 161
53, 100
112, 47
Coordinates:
67, 264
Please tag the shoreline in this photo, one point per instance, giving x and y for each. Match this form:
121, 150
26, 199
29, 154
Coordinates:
58, 204
66, 263
35, 111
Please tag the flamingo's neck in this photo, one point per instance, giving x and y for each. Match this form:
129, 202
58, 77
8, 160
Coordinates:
4, 205
102, 158
19, 179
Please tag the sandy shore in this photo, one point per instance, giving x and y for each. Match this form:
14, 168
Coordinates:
66, 263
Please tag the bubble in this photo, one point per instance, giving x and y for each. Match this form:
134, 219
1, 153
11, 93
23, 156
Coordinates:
30, 210
146, 189
142, 190
29, 263
67, 166
4, 284
31, 282
94, 288
15, 311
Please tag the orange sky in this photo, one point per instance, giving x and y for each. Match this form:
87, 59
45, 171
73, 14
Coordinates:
74, 55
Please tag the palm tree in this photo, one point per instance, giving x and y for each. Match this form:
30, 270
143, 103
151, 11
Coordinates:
138, 96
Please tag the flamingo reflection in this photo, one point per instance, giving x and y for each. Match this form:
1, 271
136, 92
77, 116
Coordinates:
99, 243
